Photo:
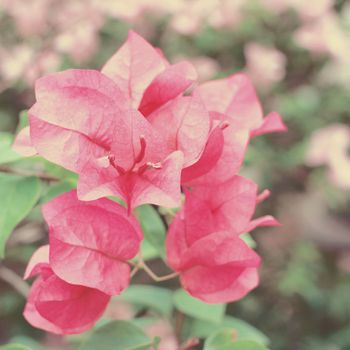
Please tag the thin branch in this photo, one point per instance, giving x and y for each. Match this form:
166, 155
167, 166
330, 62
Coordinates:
20, 172
14, 280
156, 277
134, 271
141, 265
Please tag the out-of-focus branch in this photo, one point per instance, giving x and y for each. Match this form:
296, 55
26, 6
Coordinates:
42, 176
14, 280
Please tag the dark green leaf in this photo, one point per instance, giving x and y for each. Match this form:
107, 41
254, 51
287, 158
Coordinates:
198, 309
18, 196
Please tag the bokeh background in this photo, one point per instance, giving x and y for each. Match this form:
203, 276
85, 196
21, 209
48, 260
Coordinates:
297, 53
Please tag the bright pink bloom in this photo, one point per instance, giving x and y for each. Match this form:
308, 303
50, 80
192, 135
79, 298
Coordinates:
216, 268
184, 125
236, 98
223, 154
82, 121
57, 306
203, 243
91, 242
144, 75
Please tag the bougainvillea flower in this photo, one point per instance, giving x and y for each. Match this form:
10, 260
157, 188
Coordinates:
23, 144
217, 268
145, 77
91, 242
235, 97
83, 122
190, 123
230, 206
57, 306
223, 154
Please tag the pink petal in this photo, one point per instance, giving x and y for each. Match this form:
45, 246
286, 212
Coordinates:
234, 96
23, 144
160, 186
189, 129
271, 123
176, 242
232, 203
134, 66
81, 100
62, 146
267, 220
32, 315
166, 86
209, 158
72, 308
155, 186
39, 259
90, 242
126, 141
263, 196
220, 285
217, 249
235, 144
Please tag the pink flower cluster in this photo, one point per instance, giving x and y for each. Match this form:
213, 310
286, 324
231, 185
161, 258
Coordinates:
144, 131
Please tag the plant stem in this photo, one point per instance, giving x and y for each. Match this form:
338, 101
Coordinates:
20, 172
14, 280
142, 265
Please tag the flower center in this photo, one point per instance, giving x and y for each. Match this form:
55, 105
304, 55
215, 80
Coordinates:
138, 159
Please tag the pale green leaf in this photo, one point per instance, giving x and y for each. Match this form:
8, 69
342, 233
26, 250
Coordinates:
198, 309
7, 155
18, 196
117, 335
203, 329
153, 227
226, 339
156, 298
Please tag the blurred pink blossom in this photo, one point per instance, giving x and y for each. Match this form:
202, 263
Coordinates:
14, 62
217, 13
324, 35
164, 330
44, 62
206, 67
265, 65
305, 9
30, 16
330, 146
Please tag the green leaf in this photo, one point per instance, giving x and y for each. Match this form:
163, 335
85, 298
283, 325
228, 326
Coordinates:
153, 227
157, 298
249, 240
18, 196
7, 155
198, 309
55, 190
226, 339
23, 120
148, 251
203, 329
14, 347
118, 335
